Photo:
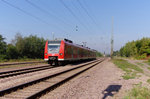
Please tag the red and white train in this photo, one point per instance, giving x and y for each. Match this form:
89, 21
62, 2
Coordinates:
61, 51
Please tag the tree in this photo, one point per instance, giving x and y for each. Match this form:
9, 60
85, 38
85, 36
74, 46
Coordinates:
34, 46
3, 46
98, 54
12, 52
30, 47
19, 43
138, 48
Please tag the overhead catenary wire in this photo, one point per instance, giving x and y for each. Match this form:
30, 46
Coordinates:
27, 13
93, 15
86, 8
74, 15
46, 12
81, 14
86, 11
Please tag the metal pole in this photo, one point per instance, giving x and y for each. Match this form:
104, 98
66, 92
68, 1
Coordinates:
84, 44
53, 35
112, 41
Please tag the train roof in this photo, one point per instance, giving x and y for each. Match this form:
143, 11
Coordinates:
58, 40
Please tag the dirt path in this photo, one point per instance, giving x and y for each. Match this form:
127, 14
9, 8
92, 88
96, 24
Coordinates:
144, 66
101, 82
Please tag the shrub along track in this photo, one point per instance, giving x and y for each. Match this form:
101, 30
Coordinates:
41, 86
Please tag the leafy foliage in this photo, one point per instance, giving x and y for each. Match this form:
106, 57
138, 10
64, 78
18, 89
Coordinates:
30, 47
138, 49
12, 52
2, 48
22, 47
98, 54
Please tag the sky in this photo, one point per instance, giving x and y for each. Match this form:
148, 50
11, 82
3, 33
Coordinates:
87, 21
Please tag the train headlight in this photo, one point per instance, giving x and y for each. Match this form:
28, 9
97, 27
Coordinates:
60, 54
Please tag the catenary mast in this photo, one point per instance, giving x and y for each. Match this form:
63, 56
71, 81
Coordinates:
112, 41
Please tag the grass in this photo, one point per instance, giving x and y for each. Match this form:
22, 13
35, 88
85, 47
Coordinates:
148, 62
148, 81
138, 92
131, 75
140, 64
131, 70
148, 68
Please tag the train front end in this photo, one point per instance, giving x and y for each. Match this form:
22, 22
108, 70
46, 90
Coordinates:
54, 51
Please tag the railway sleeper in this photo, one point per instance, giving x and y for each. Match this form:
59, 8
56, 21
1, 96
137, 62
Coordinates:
46, 82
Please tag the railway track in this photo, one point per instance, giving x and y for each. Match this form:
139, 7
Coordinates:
19, 63
23, 71
37, 88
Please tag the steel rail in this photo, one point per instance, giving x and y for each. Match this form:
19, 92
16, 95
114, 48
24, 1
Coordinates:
18, 63
18, 70
48, 89
24, 71
21, 86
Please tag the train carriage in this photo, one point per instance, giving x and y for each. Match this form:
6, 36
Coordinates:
61, 51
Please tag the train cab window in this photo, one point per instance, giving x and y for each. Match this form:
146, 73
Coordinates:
53, 48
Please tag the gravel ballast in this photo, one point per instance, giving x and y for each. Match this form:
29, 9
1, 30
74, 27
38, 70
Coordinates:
103, 81
20, 79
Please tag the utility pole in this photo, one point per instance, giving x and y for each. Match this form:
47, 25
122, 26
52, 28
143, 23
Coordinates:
112, 39
84, 44
104, 54
53, 35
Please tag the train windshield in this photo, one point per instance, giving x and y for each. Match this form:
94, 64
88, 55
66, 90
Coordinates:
53, 48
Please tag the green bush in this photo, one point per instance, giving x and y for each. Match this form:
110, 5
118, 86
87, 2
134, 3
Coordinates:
12, 52
2, 57
98, 54
139, 49
2, 48
149, 60
143, 56
31, 47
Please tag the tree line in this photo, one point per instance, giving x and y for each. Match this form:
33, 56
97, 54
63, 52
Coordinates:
98, 54
138, 49
22, 47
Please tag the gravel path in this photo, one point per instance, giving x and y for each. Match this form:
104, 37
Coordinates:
101, 82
